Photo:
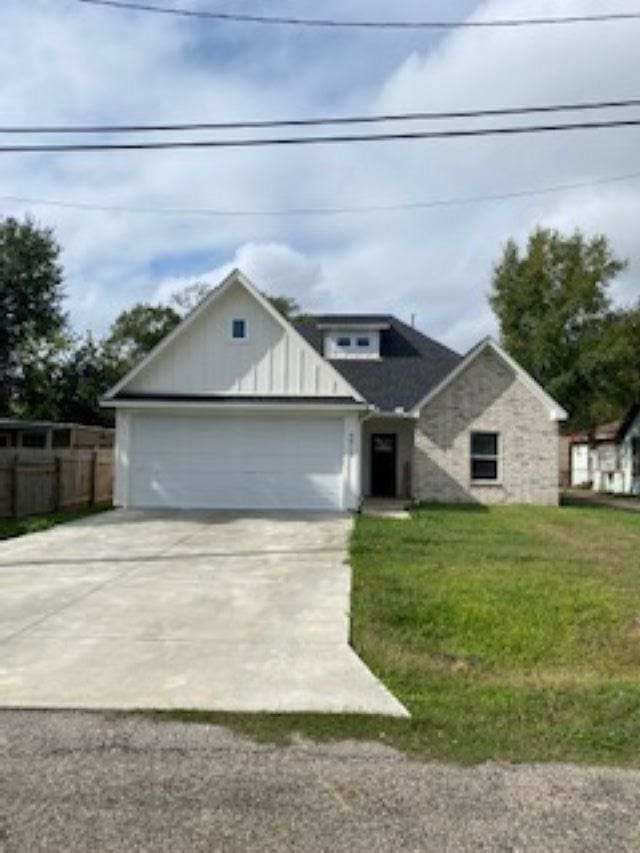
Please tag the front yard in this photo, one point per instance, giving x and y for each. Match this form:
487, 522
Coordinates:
511, 632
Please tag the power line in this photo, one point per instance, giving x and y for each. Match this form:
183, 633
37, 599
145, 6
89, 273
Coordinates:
324, 120
463, 133
279, 20
319, 211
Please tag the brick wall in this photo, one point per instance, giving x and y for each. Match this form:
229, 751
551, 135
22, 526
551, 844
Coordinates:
487, 396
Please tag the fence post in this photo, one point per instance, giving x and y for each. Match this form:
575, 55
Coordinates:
94, 477
14, 485
57, 485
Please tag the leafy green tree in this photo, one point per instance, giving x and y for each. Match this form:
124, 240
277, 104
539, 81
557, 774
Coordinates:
38, 386
286, 305
556, 319
31, 294
87, 374
136, 331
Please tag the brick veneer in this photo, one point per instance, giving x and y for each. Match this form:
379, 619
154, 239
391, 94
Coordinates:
487, 395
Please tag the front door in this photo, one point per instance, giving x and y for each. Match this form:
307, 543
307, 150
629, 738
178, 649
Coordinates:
383, 465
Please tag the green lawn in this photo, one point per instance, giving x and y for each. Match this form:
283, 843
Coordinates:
10, 527
511, 633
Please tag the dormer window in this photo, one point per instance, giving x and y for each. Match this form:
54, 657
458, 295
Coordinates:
345, 339
239, 329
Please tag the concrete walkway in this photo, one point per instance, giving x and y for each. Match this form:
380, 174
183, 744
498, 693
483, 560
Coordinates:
585, 497
183, 610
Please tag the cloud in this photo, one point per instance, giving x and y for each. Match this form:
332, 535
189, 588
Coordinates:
84, 64
274, 268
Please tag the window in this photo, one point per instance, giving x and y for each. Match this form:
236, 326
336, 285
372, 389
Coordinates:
239, 330
485, 456
363, 342
344, 342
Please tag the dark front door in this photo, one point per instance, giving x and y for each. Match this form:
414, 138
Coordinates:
383, 465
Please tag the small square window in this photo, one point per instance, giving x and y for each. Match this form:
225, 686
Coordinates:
344, 342
239, 330
363, 342
485, 456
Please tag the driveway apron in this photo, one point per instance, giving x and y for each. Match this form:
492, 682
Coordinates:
206, 610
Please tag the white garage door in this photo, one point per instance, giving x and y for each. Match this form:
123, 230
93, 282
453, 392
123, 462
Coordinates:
236, 463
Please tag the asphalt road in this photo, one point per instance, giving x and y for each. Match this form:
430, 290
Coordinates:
74, 781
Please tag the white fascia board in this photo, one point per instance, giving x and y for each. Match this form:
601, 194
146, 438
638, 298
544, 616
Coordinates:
392, 416
235, 276
236, 405
556, 412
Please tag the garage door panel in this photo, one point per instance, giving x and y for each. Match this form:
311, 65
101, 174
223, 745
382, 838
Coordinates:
237, 463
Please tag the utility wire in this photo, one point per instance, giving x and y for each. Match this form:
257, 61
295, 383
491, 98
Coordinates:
320, 211
323, 120
463, 133
234, 17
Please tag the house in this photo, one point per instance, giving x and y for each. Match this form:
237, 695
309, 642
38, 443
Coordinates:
608, 458
238, 408
16, 433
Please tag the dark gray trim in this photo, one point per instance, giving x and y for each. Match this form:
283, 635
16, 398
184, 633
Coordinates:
234, 398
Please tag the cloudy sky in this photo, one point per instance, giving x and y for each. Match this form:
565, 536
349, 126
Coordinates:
62, 61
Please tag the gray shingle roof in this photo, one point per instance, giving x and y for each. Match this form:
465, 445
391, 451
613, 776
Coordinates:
411, 363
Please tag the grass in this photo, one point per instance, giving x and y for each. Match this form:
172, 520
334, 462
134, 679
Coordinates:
11, 527
510, 633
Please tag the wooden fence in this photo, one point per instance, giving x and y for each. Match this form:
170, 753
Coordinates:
35, 481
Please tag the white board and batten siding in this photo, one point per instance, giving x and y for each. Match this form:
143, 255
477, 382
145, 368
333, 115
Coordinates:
271, 360
239, 456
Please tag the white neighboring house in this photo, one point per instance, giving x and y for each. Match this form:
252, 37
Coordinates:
608, 459
238, 408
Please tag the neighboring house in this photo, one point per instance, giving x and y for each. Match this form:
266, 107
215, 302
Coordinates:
238, 408
608, 459
17, 433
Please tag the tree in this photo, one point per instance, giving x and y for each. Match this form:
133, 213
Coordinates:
136, 331
185, 300
286, 305
31, 295
38, 387
556, 319
86, 376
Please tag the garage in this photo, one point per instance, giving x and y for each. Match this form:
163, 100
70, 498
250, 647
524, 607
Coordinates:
235, 462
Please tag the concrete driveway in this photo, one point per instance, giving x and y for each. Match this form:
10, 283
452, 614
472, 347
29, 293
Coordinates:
216, 611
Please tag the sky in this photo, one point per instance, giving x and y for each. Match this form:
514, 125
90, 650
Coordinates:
62, 61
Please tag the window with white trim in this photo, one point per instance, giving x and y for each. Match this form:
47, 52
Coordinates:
485, 457
344, 342
238, 329
363, 342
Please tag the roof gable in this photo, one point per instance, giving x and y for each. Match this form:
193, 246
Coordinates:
200, 357
556, 412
